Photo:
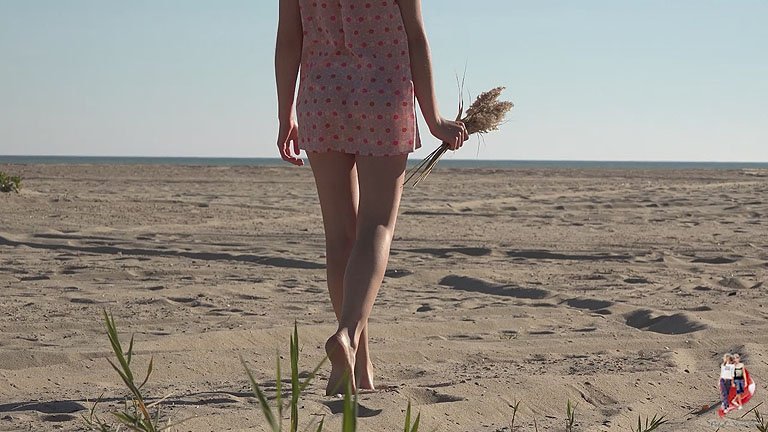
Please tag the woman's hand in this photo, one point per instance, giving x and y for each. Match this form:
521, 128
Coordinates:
453, 133
287, 140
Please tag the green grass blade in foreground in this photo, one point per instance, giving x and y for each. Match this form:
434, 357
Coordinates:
407, 417
117, 348
93, 422
126, 374
135, 422
123, 376
320, 426
415, 427
295, 387
570, 413
349, 422
149, 370
128, 420
173, 425
129, 354
265, 408
312, 374
408, 426
650, 424
515, 408
762, 423
279, 390
157, 416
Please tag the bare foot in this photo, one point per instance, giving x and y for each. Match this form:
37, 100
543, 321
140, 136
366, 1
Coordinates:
342, 359
363, 371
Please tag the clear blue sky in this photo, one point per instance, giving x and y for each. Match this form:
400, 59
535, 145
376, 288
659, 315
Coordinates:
598, 80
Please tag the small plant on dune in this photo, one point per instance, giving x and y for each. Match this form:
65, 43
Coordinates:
9, 183
762, 423
570, 416
275, 419
515, 407
136, 415
408, 426
94, 423
570, 420
650, 424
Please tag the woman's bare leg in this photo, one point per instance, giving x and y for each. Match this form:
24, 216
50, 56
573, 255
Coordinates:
380, 181
336, 181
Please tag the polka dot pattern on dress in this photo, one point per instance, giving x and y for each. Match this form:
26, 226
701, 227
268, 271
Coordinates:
355, 92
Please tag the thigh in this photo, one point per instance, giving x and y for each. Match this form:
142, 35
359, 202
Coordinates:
336, 181
381, 187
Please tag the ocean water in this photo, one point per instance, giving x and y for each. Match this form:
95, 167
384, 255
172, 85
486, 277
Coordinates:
446, 162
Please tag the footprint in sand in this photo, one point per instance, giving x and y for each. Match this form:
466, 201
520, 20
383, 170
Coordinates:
337, 407
588, 304
541, 332
679, 323
425, 308
58, 418
699, 309
464, 337
35, 278
636, 280
397, 273
543, 254
733, 283
427, 396
585, 330
191, 302
470, 284
714, 260
79, 300
446, 252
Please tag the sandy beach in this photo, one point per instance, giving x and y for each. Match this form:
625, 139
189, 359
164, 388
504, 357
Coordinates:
616, 290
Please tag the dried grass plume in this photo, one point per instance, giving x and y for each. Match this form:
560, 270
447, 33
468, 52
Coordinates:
485, 114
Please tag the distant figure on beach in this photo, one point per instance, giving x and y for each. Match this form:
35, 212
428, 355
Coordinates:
362, 63
726, 379
739, 380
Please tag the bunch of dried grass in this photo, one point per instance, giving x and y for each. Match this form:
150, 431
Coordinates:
485, 114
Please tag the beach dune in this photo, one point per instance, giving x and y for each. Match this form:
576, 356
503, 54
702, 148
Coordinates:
618, 290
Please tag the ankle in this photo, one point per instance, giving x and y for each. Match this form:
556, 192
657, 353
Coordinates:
351, 334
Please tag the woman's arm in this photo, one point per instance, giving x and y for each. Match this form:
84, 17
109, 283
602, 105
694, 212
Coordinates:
421, 61
287, 61
287, 56
448, 131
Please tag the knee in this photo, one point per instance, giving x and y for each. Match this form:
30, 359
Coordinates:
375, 235
340, 244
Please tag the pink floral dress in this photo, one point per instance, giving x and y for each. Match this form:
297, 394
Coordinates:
355, 92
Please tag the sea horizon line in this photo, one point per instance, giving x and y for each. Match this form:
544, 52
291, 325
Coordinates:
446, 162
